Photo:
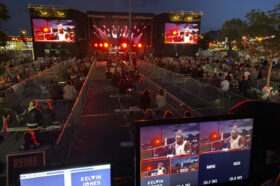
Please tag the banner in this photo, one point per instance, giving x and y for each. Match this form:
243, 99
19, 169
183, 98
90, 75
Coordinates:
21, 162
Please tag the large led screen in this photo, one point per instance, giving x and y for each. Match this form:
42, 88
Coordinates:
195, 154
46, 30
181, 33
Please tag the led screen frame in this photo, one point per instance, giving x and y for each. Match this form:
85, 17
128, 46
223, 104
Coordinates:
141, 124
54, 30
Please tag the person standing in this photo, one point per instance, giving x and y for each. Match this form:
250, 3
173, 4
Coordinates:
161, 99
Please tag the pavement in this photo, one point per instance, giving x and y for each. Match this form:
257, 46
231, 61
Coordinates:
97, 138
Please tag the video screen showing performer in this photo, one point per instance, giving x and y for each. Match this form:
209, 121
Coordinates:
46, 30
184, 165
181, 33
155, 168
169, 141
224, 136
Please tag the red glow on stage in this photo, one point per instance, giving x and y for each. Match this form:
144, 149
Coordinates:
214, 136
124, 45
106, 45
174, 33
156, 142
149, 167
46, 29
139, 45
101, 45
96, 45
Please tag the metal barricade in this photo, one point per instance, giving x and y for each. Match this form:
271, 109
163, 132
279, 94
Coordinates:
29, 89
66, 136
201, 96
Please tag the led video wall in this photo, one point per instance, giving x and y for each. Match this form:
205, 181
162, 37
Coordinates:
47, 30
181, 33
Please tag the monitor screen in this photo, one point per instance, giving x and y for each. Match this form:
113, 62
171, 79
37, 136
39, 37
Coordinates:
82, 176
46, 30
181, 33
197, 153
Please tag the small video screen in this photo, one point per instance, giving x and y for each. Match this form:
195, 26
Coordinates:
169, 141
155, 168
46, 30
224, 136
82, 176
196, 153
181, 33
184, 165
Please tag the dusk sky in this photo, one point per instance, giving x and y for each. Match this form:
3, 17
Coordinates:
215, 11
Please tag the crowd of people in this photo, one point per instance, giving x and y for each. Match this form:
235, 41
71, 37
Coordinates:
40, 117
22, 72
138, 97
238, 76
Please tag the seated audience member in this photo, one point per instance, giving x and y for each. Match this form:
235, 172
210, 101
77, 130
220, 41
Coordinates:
69, 91
161, 99
32, 115
77, 82
55, 91
44, 89
225, 86
145, 100
122, 86
187, 114
168, 114
30, 141
149, 114
48, 115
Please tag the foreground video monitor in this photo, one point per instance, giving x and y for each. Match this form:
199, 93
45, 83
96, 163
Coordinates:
46, 30
181, 33
82, 176
193, 152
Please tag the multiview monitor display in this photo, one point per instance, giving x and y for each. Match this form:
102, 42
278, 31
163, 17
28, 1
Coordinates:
83, 176
196, 153
181, 33
61, 31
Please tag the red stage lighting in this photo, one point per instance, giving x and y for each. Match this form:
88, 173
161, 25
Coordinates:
106, 45
101, 45
124, 45
149, 167
214, 136
174, 33
46, 29
96, 45
139, 45
156, 142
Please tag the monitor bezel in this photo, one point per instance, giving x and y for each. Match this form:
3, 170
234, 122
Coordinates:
148, 123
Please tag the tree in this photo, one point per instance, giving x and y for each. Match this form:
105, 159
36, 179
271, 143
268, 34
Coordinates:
4, 16
233, 29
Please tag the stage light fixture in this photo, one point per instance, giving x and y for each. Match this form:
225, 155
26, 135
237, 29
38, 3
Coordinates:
101, 45
46, 30
96, 45
156, 142
149, 167
174, 32
124, 45
139, 45
106, 45
214, 136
